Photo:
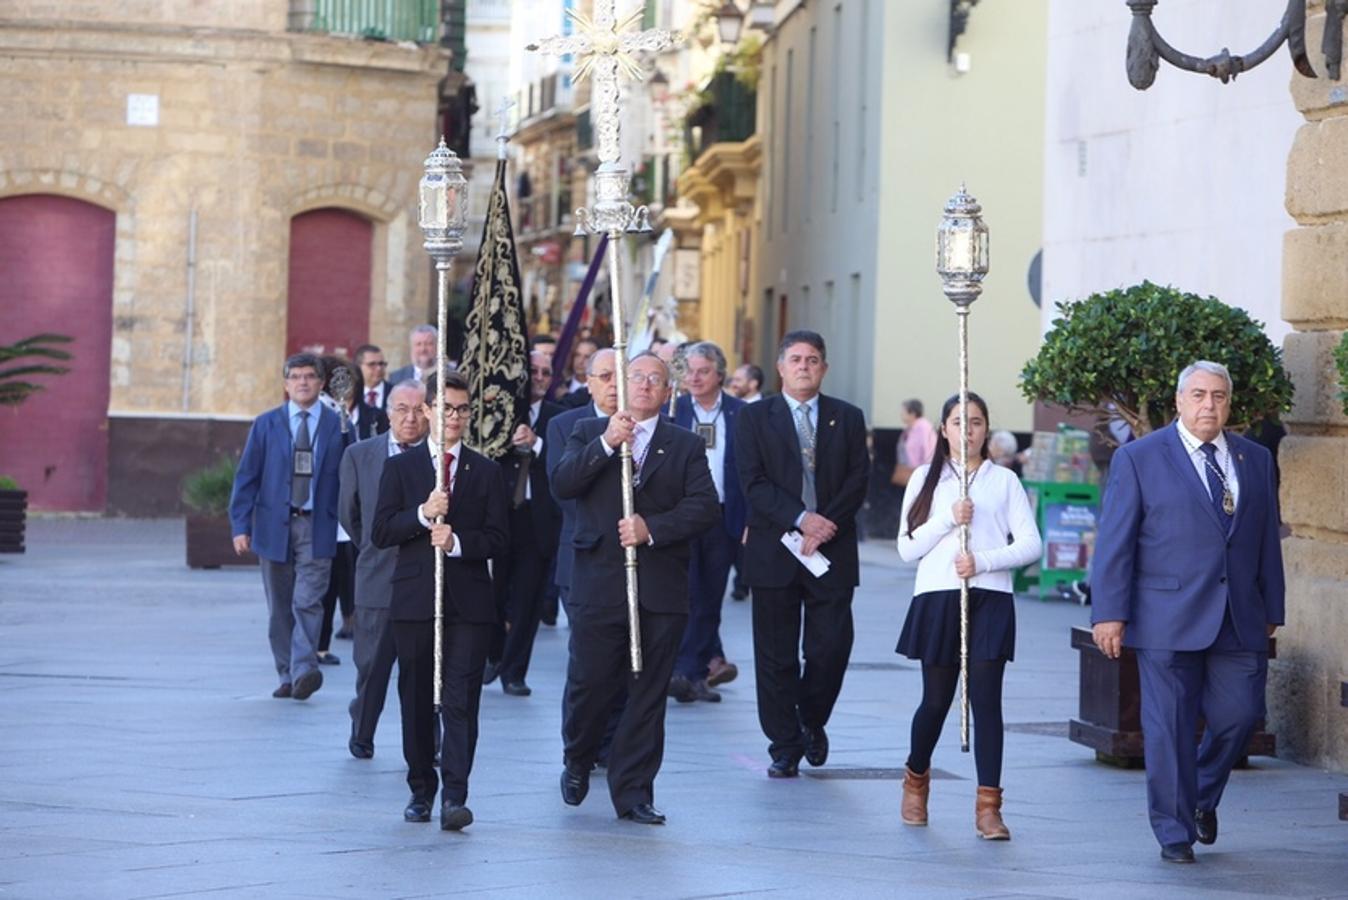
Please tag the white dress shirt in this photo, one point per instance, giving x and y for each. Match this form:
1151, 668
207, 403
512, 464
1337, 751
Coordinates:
436, 458
716, 454
1000, 508
1199, 460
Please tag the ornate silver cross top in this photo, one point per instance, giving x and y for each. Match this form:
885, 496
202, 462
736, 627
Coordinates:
606, 47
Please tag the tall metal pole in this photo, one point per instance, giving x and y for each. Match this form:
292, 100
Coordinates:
604, 49
442, 325
962, 261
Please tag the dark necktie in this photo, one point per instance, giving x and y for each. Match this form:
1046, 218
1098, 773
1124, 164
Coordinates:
299, 484
371, 397
449, 475
403, 448
1216, 486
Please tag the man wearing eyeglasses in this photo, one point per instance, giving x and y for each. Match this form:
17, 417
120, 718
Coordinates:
373, 369
675, 500
284, 508
474, 529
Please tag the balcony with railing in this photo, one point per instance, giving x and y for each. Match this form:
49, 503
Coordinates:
725, 113
375, 20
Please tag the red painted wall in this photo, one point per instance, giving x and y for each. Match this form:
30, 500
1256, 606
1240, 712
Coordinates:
329, 293
56, 262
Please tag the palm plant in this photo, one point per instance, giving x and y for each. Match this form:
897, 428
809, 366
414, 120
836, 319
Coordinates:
14, 384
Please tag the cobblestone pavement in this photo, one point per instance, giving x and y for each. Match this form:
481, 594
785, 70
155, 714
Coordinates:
141, 755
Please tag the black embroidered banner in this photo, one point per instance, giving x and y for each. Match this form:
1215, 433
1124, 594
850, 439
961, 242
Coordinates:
496, 342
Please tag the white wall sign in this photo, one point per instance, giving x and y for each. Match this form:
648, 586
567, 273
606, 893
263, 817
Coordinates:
687, 274
142, 109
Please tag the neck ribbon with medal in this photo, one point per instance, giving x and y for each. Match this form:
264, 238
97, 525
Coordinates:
1228, 498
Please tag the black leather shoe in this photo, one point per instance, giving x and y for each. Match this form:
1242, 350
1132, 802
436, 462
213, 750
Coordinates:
816, 746
704, 692
454, 816
418, 810
489, 673
360, 750
681, 689
282, 692
329, 659
739, 594
644, 814
306, 684
516, 688
1205, 823
1177, 853
575, 785
786, 767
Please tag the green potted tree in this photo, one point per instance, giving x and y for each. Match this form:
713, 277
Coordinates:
13, 515
206, 496
1118, 353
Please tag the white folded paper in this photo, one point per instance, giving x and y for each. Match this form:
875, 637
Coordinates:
816, 563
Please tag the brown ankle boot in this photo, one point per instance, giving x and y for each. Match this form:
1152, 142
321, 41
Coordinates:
915, 790
988, 815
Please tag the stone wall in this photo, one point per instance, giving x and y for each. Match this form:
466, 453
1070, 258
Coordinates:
255, 124
1312, 659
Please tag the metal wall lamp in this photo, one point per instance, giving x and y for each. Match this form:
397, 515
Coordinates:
1146, 47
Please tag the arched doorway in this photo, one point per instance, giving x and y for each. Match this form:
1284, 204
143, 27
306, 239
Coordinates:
328, 301
56, 266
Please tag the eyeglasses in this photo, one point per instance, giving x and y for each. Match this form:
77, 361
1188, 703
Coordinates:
401, 411
654, 379
302, 376
538, 371
375, 365
460, 411
605, 377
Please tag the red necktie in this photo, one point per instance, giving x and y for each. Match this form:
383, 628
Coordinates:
449, 475
370, 397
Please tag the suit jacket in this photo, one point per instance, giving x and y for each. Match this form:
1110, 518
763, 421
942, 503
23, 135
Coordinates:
576, 399
736, 510
478, 514
675, 497
400, 374
767, 453
1163, 562
543, 509
373, 420
554, 447
259, 505
362, 467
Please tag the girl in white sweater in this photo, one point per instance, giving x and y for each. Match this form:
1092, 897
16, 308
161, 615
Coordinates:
1002, 537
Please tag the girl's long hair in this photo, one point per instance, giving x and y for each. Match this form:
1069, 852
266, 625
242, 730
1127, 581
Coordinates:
920, 511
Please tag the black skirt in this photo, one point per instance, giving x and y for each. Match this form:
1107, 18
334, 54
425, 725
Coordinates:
931, 632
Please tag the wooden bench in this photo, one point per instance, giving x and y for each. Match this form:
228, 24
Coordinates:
1109, 718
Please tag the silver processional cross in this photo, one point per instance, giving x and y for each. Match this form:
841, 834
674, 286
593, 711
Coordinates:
606, 47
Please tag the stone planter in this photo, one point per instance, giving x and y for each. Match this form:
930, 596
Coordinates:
1110, 706
210, 544
13, 517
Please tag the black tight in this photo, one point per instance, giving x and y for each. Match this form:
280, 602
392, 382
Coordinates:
939, 684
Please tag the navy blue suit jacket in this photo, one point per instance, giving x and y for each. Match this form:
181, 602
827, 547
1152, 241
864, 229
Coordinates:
554, 447
1163, 562
259, 505
736, 509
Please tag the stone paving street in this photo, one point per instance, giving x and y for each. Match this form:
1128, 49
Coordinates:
141, 755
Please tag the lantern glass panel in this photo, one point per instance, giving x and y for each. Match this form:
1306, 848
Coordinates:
435, 203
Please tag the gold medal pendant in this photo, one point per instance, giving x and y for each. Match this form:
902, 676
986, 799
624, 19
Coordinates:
1228, 503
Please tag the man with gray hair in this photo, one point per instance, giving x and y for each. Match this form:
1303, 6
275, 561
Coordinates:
1188, 574
707, 410
284, 508
423, 340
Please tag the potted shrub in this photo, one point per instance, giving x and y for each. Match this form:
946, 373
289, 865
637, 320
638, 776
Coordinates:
13, 515
206, 495
1118, 353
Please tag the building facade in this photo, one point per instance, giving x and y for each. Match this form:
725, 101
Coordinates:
192, 191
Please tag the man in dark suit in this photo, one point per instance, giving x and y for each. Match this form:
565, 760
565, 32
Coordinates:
535, 522
803, 462
422, 346
675, 501
374, 373
710, 412
1188, 572
475, 529
284, 508
601, 368
362, 468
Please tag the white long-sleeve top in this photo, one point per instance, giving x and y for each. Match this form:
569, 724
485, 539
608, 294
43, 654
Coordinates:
1000, 509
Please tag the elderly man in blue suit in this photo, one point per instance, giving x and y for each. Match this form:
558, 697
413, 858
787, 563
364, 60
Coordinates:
1188, 573
709, 411
284, 508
